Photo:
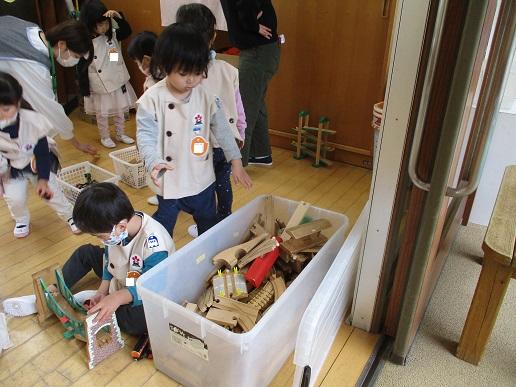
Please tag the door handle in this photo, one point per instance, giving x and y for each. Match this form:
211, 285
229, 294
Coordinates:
425, 95
498, 63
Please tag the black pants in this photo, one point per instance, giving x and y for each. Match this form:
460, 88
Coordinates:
257, 67
131, 319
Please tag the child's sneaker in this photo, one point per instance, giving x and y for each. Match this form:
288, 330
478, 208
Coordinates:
20, 306
192, 231
108, 142
125, 139
153, 200
73, 227
21, 230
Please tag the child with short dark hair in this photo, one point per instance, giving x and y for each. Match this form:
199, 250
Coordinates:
222, 81
134, 243
175, 120
140, 50
105, 84
25, 157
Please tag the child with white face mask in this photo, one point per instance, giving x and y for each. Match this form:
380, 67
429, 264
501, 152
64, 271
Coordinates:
105, 84
133, 244
26, 157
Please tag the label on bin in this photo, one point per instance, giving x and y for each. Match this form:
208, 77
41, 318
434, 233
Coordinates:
188, 341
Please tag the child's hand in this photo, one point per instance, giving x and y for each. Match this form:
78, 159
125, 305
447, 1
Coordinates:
240, 176
95, 299
112, 13
158, 171
43, 190
106, 307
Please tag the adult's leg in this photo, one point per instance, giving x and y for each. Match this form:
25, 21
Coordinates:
167, 212
81, 262
268, 56
257, 66
223, 189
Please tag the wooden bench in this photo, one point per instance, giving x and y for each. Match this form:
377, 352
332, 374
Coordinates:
498, 267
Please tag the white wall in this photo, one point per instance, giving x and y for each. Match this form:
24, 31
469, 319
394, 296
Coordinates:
501, 153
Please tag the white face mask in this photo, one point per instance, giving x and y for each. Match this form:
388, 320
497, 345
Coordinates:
8, 122
68, 62
114, 239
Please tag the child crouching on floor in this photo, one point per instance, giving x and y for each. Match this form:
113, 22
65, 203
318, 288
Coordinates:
133, 243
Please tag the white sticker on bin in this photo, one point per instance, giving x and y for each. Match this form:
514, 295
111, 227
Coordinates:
200, 258
129, 282
188, 341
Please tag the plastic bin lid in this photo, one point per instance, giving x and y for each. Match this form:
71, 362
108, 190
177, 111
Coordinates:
326, 312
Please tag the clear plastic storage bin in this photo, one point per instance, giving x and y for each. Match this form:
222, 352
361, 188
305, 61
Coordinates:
197, 352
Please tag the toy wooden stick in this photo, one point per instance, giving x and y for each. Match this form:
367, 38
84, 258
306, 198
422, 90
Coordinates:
263, 248
229, 257
296, 218
308, 228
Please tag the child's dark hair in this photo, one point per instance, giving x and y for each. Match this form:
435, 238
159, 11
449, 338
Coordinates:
101, 206
92, 12
11, 91
141, 45
76, 36
180, 47
200, 17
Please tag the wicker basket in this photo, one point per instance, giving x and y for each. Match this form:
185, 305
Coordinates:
129, 166
69, 177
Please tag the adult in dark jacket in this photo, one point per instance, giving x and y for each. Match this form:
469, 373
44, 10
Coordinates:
252, 26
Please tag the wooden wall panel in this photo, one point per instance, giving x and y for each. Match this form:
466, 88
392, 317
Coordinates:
332, 64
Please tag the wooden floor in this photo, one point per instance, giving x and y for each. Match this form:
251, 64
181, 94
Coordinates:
42, 357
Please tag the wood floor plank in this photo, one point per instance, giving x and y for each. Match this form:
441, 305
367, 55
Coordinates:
347, 368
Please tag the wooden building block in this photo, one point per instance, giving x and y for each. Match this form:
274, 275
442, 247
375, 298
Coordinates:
293, 246
269, 215
230, 257
278, 283
305, 229
48, 275
223, 317
205, 300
